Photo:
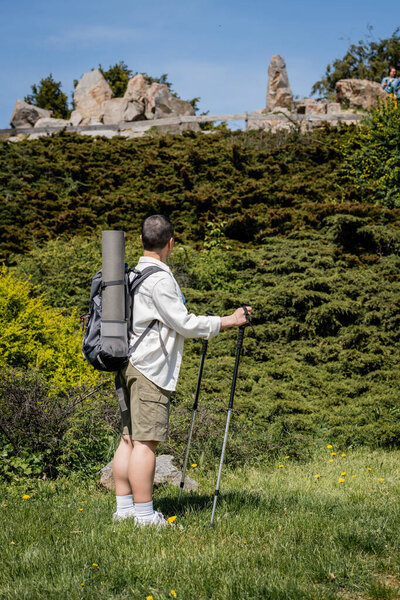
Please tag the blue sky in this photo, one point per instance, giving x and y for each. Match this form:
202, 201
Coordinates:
218, 50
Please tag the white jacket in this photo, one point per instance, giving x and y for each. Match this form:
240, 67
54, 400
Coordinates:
159, 355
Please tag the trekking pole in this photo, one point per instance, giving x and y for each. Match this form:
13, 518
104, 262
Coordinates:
230, 406
194, 409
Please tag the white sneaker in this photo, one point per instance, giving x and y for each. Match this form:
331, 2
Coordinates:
157, 519
126, 514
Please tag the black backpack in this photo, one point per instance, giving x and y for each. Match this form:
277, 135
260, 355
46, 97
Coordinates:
92, 342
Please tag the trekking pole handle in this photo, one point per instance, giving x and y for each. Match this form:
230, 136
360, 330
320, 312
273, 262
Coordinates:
244, 305
205, 342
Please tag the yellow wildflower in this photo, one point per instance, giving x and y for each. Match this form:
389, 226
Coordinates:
173, 593
381, 479
281, 466
317, 475
5, 505
369, 469
343, 454
25, 496
333, 453
95, 565
331, 460
82, 584
81, 509
12, 543
171, 519
344, 473
149, 598
341, 480
194, 465
329, 446
287, 457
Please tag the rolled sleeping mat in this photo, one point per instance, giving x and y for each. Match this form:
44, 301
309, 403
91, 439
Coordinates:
114, 326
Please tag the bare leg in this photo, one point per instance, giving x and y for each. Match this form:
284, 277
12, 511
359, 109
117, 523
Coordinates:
121, 466
142, 465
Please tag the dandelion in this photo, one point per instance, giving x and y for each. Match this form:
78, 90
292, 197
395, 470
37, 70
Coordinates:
81, 509
331, 460
194, 465
82, 584
344, 473
171, 519
329, 446
25, 496
95, 565
149, 598
333, 453
341, 480
12, 543
343, 454
5, 505
380, 479
369, 469
287, 457
173, 593
281, 466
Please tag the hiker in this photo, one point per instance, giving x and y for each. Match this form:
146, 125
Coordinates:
152, 372
391, 83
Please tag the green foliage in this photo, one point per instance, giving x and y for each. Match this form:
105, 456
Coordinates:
117, 77
47, 94
371, 158
35, 336
259, 183
369, 59
47, 432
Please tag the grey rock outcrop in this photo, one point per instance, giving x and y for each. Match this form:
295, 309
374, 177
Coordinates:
90, 94
48, 122
279, 92
359, 93
26, 115
166, 472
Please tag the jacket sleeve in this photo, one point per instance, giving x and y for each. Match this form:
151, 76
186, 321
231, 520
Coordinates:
169, 303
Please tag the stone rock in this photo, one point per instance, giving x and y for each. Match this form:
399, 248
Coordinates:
166, 105
333, 108
90, 94
319, 108
49, 122
280, 120
137, 88
279, 92
359, 93
114, 110
108, 133
150, 98
166, 472
134, 111
26, 115
75, 118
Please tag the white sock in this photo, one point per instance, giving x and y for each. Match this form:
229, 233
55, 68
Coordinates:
124, 503
144, 510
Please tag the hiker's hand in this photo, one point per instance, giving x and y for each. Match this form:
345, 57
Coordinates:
240, 316
235, 319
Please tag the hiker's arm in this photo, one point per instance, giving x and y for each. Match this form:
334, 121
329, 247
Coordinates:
175, 315
235, 319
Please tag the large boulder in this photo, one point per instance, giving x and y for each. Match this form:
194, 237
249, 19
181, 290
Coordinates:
166, 472
279, 92
26, 115
51, 123
152, 92
118, 110
90, 94
137, 88
359, 93
167, 105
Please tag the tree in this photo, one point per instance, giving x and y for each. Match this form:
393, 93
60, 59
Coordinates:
47, 94
117, 77
368, 59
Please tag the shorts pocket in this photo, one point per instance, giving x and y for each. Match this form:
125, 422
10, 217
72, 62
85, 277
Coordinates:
154, 409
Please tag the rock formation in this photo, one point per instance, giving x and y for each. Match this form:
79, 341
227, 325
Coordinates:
166, 472
90, 94
359, 93
26, 115
279, 93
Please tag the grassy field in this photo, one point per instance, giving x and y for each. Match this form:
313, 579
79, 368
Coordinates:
322, 529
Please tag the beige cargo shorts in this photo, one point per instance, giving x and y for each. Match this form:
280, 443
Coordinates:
147, 415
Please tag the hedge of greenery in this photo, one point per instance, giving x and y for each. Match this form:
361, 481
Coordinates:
276, 220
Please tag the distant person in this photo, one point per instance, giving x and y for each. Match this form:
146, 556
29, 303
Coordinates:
391, 83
